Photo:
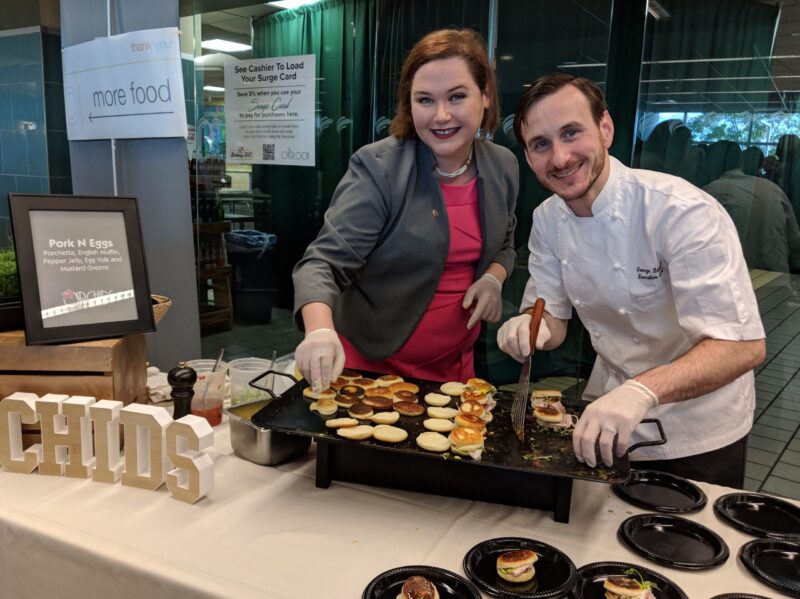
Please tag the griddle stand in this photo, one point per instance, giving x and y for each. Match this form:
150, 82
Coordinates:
463, 478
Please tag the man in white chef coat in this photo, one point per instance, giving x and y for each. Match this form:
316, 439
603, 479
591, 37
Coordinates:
654, 268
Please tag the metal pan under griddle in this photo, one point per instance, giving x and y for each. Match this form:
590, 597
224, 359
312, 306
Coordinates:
546, 451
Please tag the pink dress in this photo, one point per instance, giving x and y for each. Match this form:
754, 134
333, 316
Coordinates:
440, 348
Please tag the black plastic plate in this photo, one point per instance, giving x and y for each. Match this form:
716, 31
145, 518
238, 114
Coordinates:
589, 584
555, 572
776, 563
449, 584
760, 515
738, 596
673, 541
661, 492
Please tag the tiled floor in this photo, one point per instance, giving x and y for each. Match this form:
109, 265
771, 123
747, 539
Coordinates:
773, 456
774, 444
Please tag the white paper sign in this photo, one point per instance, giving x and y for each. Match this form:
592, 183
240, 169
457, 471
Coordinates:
269, 110
125, 86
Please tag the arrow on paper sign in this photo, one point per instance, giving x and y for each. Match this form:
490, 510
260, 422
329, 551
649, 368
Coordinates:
92, 117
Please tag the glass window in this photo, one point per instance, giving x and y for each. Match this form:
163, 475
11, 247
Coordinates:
716, 108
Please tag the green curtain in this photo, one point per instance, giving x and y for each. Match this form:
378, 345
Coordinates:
340, 34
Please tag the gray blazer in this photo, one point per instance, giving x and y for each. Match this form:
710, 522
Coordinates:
381, 251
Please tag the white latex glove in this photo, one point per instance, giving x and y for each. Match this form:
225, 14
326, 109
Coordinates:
514, 337
616, 413
320, 358
486, 294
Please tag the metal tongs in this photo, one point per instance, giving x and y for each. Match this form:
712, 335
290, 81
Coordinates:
520, 405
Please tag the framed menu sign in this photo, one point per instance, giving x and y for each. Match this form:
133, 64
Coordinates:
81, 267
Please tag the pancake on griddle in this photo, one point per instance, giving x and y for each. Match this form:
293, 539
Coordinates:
437, 412
389, 434
388, 379
361, 411
403, 395
431, 441
338, 383
349, 375
385, 417
408, 408
311, 394
395, 387
452, 388
324, 405
440, 425
437, 399
377, 402
351, 390
345, 401
365, 383
341, 422
356, 433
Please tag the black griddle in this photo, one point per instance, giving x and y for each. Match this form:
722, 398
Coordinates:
537, 475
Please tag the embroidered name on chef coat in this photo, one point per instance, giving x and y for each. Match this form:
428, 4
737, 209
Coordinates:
656, 272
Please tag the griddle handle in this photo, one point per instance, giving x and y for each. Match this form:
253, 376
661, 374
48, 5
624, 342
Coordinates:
660, 441
255, 385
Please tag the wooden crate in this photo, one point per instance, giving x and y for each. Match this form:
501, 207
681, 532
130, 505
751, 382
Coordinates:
103, 369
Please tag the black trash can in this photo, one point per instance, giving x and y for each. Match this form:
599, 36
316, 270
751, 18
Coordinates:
250, 255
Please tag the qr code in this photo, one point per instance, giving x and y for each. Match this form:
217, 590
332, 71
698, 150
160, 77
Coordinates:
267, 151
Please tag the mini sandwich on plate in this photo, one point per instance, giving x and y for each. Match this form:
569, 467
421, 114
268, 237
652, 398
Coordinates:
517, 565
418, 587
628, 587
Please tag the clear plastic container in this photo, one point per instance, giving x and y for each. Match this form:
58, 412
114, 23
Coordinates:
209, 390
244, 370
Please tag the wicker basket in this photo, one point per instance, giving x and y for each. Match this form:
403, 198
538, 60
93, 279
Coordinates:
161, 304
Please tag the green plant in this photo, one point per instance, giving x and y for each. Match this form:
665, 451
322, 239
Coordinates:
9, 282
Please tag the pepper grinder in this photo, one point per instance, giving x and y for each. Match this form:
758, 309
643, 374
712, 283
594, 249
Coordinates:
182, 379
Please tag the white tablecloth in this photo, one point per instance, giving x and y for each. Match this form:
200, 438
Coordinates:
269, 532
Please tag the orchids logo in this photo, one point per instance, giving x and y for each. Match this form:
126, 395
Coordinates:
69, 296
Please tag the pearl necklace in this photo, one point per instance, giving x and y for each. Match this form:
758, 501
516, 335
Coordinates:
459, 171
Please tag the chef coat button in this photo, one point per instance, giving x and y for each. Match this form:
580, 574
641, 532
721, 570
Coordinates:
435, 213
563, 217
563, 262
577, 302
636, 340
617, 265
622, 311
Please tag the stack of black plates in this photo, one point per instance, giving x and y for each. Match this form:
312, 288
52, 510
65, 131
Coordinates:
449, 584
555, 572
673, 541
661, 492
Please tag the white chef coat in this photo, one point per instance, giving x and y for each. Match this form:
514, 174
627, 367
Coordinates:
657, 268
